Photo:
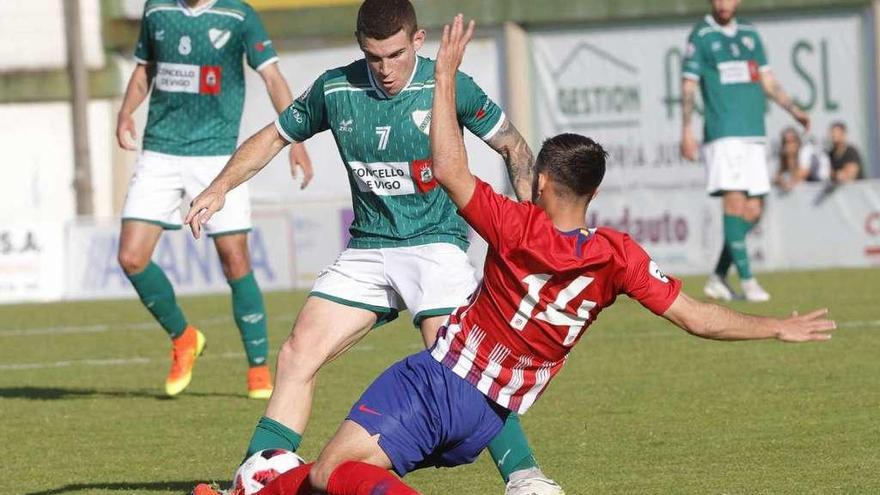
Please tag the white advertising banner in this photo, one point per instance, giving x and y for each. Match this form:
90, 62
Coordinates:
622, 86
193, 267
31, 257
812, 227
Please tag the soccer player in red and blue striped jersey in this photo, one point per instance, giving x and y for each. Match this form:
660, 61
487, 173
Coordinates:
546, 278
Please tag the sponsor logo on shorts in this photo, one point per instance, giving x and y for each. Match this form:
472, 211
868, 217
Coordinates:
364, 409
187, 78
383, 178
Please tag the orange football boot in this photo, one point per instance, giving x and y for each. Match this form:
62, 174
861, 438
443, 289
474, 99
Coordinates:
259, 382
184, 351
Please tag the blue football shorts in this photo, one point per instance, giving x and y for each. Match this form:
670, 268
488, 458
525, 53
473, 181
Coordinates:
425, 415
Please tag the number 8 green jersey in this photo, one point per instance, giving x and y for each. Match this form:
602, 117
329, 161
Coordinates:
728, 63
198, 86
384, 142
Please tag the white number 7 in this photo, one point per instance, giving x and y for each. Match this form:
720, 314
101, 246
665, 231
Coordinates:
554, 313
383, 133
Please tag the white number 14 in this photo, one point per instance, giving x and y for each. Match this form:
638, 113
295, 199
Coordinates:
554, 313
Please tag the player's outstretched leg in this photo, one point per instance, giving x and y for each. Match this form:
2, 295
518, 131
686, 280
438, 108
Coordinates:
248, 310
136, 244
352, 463
323, 330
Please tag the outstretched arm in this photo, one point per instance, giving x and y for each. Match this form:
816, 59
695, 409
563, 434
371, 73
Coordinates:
517, 155
447, 144
279, 93
774, 91
247, 160
711, 321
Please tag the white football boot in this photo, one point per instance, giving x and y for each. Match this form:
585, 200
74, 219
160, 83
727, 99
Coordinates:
532, 482
754, 292
716, 288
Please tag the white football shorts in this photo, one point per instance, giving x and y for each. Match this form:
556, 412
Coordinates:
736, 164
160, 181
429, 280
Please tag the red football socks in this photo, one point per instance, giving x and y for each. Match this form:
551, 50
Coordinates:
358, 478
293, 482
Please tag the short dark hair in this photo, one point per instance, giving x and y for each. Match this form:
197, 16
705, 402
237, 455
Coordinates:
839, 124
573, 161
382, 19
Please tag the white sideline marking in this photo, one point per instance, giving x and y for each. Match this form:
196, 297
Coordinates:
103, 327
134, 361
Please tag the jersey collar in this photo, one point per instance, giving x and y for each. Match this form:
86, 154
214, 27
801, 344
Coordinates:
196, 11
378, 87
729, 30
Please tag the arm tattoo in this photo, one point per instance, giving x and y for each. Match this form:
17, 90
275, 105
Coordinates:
781, 98
687, 106
517, 156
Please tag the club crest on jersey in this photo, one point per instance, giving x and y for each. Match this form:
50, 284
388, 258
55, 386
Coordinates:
422, 119
749, 43
423, 175
219, 37
185, 45
160, 35
655, 272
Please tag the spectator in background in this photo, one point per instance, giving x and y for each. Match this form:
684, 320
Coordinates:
799, 160
846, 164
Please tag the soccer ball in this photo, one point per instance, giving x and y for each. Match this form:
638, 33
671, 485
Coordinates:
261, 468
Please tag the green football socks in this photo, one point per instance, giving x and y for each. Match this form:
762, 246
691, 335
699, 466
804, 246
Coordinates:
510, 450
725, 260
735, 230
156, 293
270, 434
250, 317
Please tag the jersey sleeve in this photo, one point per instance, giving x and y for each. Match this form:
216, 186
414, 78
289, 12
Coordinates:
306, 116
694, 59
495, 217
644, 282
143, 52
257, 46
761, 54
476, 110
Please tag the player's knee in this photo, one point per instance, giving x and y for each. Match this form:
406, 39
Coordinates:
235, 264
298, 361
319, 476
132, 262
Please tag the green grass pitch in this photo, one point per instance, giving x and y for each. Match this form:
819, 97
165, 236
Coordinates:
641, 407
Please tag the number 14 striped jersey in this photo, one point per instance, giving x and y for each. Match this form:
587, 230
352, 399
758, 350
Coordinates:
541, 289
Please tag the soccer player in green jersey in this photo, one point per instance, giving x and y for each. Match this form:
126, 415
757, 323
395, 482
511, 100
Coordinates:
190, 52
408, 242
725, 58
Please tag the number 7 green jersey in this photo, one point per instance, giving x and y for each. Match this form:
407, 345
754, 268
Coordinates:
384, 142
